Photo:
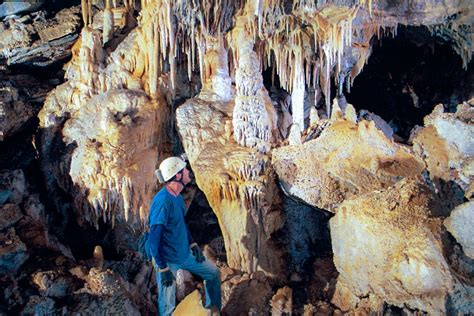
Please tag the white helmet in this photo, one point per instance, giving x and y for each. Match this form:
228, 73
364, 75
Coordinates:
169, 168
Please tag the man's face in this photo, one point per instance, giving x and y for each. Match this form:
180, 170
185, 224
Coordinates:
186, 176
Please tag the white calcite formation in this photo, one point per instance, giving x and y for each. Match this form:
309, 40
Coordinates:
14, 110
116, 151
237, 181
254, 118
116, 119
460, 224
387, 248
347, 159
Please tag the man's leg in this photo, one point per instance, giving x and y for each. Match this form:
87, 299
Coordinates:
211, 276
166, 295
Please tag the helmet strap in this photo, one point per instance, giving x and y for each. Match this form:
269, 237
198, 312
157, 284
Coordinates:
180, 180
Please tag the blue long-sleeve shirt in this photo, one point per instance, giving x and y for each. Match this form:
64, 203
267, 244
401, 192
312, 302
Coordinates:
169, 235
156, 248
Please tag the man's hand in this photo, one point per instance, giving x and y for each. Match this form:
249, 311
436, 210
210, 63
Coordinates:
197, 253
167, 278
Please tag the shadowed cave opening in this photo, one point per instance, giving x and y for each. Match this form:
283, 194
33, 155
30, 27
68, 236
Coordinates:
408, 75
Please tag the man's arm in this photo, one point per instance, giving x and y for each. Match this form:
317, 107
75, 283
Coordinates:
190, 238
156, 245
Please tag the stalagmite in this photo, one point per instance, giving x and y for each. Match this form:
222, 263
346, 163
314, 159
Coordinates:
254, 118
314, 116
294, 138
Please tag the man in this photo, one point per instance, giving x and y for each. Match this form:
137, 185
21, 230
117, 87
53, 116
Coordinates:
171, 244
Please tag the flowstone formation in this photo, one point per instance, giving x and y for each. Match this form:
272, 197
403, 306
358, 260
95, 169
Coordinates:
238, 182
112, 112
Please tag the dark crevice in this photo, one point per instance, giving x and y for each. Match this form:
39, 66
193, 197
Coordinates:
407, 76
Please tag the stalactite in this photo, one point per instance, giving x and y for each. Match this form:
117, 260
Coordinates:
85, 12
108, 31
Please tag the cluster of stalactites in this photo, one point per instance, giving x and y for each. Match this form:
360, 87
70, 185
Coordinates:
86, 6
291, 48
159, 41
246, 181
181, 29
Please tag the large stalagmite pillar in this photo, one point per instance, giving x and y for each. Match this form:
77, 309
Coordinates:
253, 117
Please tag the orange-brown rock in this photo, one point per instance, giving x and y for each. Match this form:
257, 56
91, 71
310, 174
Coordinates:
347, 159
446, 144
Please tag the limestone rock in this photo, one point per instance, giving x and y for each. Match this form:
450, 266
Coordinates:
40, 41
347, 159
13, 252
460, 224
117, 121
14, 111
21, 96
238, 183
184, 284
393, 252
192, 305
9, 8
242, 295
9, 215
104, 282
282, 302
379, 122
115, 305
446, 143
53, 284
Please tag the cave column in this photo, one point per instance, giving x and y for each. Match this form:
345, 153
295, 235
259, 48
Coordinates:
253, 113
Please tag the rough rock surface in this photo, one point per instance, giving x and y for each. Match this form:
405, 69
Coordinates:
10, 8
37, 40
116, 142
13, 252
236, 298
192, 305
346, 159
238, 183
394, 253
446, 143
117, 133
460, 224
21, 96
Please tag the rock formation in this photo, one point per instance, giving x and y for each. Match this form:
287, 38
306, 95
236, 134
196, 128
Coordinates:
459, 224
346, 159
394, 252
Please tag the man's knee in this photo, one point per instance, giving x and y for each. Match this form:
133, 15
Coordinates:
214, 273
